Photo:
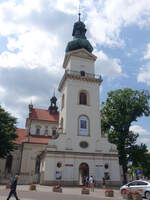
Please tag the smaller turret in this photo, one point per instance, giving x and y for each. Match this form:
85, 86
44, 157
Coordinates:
53, 107
30, 106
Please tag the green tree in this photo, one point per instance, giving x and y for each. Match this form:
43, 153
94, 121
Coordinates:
122, 107
7, 133
145, 166
138, 155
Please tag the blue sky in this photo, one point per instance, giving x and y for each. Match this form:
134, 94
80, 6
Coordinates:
33, 38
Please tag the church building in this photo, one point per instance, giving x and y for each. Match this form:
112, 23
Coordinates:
68, 145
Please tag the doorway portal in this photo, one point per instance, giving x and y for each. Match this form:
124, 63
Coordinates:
83, 172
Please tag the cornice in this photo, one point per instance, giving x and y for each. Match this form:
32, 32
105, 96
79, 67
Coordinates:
77, 77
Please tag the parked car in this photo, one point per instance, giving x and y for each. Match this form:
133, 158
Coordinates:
138, 185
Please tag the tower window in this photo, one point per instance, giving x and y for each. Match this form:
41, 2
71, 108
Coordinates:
83, 98
83, 125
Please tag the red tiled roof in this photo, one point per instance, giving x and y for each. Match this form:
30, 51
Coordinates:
21, 135
39, 139
41, 114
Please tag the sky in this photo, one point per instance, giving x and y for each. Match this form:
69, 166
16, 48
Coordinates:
33, 38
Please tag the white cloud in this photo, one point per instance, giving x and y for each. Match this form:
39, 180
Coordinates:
147, 53
144, 134
31, 49
139, 129
144, 74
106, 66
2, 92
144, 71
106, 18
67, 6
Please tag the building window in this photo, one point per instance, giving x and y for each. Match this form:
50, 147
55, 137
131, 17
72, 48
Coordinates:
83, 98
46, 130
62, 101
38, 129
53, 133
83, 125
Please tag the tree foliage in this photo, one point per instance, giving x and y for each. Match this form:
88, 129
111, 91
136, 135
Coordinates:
140, 158
122, 107
7, 133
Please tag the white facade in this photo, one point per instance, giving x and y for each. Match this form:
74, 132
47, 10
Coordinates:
80, 149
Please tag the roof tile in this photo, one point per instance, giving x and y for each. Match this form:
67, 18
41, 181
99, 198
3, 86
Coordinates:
41, 114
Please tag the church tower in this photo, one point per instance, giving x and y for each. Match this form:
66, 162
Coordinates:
79, 87
79, 150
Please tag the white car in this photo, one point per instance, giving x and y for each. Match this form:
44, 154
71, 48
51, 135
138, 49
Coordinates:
138, 185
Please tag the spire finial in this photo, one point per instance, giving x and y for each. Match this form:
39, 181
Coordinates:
79, 12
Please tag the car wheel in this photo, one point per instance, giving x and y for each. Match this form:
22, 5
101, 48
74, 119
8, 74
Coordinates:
147, 195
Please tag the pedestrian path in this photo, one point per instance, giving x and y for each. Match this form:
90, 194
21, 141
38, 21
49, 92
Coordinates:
45, 193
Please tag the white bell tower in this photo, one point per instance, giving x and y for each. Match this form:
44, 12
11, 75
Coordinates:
80, 149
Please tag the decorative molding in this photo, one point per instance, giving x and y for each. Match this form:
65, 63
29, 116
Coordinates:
77, 77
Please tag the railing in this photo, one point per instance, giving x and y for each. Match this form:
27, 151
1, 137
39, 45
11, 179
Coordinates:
83, 74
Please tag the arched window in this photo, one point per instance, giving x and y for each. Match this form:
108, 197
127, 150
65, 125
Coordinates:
83, 98
62, 101
83, 125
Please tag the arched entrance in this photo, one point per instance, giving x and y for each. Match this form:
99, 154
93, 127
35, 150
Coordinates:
83, 172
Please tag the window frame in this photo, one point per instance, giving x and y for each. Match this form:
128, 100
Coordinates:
87, 97
80, 129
